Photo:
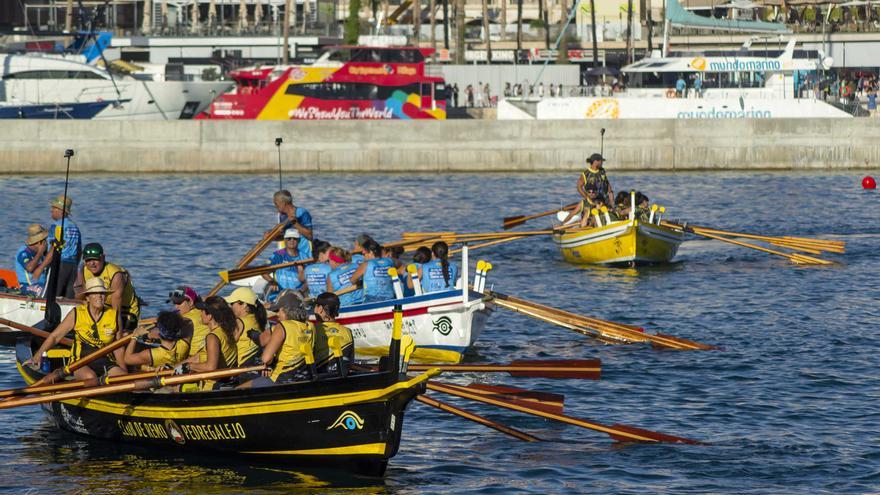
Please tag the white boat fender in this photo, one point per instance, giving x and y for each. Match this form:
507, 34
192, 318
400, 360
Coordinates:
414, 275
395, 283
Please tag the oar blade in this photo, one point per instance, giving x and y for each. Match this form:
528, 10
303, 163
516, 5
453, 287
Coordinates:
511, 222
224, 276
650, 436
589, 369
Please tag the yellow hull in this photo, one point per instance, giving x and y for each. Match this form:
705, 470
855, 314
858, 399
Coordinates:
626, 241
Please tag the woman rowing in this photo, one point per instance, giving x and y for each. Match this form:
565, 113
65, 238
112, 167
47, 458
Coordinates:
172, 348
219, 345
94, 325
326, 311
339, 278
249, 324
438, 274
373, 274
357, 253
283, 350
316, 273
184, 300
421, 257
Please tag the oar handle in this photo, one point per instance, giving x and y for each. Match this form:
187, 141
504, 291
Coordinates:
251, 271
33, 331
253, 253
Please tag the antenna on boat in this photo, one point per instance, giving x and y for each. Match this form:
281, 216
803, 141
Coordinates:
602, 141
52, 316
278, 142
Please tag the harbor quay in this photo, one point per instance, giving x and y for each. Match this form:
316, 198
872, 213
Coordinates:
35, 146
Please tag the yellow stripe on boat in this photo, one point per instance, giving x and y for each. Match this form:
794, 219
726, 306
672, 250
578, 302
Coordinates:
420, 355
620, 242
365, 449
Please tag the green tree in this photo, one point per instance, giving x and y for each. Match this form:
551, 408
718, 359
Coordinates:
352, 23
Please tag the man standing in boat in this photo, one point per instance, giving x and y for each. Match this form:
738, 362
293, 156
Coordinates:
71, 244
594, 178
297, 217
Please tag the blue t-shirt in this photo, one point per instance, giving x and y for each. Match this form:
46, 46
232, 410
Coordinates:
680, 85
22, 258
340, 278
72, 241
303, 217
287, 278
432, 276
304, 247
872, 102
357, 258
377, 282
316, 277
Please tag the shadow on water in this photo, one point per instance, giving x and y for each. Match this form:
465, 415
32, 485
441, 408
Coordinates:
92, 466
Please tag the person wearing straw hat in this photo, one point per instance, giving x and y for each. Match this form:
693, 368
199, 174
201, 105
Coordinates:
71, 247
94, 326
32, 259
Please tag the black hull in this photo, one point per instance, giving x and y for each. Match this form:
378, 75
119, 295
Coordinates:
353, 423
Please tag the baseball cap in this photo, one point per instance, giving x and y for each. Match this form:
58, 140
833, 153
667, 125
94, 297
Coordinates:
93, 251
594, 157
182, 293
291, 234
242, 294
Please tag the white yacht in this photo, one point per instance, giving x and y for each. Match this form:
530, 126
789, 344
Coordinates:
46, 86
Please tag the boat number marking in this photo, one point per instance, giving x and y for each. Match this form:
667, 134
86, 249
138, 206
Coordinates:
443, 325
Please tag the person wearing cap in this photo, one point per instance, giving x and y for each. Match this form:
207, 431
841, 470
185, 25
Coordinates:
292, 277
326, 311
32, 261
594, 177
298, 218
282, 352
373, 274
339, 278
71, 249
123, 297
249, 324
219, 344
184, 300
94, 326
316, 273
172, 348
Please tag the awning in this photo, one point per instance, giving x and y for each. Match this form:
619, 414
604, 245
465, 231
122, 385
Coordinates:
678, 16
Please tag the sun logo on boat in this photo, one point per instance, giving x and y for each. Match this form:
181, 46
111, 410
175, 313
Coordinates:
174, 432
443, 325
604, 108
348, 420
698, 63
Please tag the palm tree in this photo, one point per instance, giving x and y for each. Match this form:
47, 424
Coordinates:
519, 27
486, 30
459, 31
417, 21
503, 19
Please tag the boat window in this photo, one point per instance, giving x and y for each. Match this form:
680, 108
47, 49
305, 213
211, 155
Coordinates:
53, 74
348, 91
340, 55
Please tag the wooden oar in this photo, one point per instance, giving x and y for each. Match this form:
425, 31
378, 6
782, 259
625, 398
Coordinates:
607, 330
619, 432
33, 331
542, 400
252, 254
252, 271
511, 222
801, 259
75, 384
797, 243
80, 363
487, 244
144, 384
477, 418
589, 369
550, 406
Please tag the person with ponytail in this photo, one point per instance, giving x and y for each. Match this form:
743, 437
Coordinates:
326, 311
339, 278
439, 274
249, 324
220, 350
373, 274
421, 257
316, 273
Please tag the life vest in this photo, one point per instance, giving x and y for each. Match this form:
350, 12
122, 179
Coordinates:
200, 331
228, 354
432, 276
316, 278
130, 304
323, 353
246, 347
340, 278
289, 356
597, 181
160, 356
90, 334
377, 282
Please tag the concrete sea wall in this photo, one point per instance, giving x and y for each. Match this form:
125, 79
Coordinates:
31, 146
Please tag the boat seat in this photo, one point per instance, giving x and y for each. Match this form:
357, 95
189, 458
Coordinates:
58, 353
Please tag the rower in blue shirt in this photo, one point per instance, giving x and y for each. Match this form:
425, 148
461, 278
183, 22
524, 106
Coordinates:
298, 218
339, 278
439, 274
71, 250
357, 254
316, 273
31, 261
291, 277
420, 258
374, 273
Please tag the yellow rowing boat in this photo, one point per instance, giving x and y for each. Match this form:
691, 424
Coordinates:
622, 242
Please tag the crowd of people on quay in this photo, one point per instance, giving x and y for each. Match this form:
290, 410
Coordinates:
206, 334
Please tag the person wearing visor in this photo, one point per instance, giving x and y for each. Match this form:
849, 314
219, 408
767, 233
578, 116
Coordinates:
326, 311
94, 326
184, 299
292, 277
32, 261
250, 322
71, 247
170, 349
282, 351
123, 297
594, 178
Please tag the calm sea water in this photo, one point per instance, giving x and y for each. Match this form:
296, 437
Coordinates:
790, 403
